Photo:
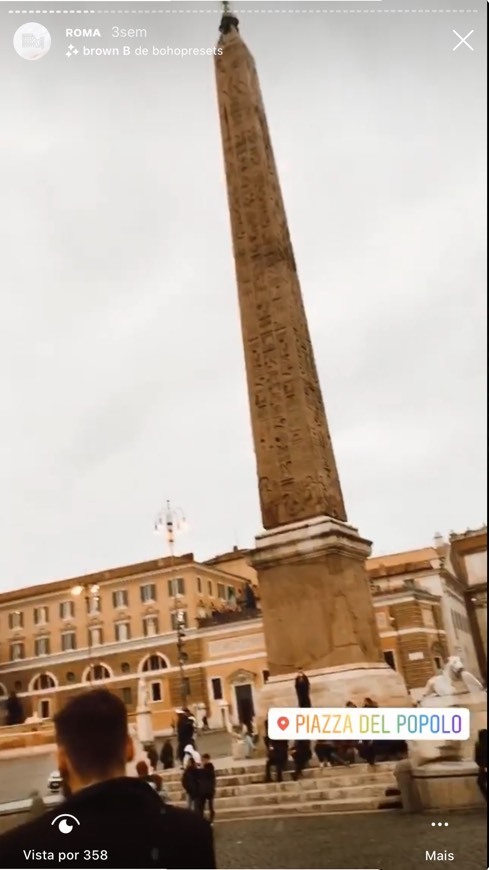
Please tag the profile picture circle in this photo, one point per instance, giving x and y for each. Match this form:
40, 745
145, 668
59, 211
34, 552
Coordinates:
32, 41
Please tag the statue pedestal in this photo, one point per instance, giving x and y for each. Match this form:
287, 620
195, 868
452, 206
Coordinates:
144, 725
422, 752
139, 753
318, 616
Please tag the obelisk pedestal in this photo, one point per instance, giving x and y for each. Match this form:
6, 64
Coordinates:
323, 621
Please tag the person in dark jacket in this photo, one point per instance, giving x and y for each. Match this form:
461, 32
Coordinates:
185, 732
15, 712
481, 761
191, 785
207, 787
302, 689
277, 755
115, 815
301, 756
167, 757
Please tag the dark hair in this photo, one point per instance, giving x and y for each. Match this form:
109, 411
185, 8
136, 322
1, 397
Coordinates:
92, 728
206, 755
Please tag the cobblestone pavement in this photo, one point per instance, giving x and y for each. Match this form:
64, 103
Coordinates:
385, 841
389, 841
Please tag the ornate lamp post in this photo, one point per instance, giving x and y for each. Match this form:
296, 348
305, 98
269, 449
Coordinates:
171, 521
90, 592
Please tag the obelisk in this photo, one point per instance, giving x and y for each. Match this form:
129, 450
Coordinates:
317, 608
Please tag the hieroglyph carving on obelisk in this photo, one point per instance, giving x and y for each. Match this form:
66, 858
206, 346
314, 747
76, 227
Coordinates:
295, 462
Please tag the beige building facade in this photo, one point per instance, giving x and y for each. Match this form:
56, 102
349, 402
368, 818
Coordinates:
126, 630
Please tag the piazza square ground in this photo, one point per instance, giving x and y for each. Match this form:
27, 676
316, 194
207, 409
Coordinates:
388, 841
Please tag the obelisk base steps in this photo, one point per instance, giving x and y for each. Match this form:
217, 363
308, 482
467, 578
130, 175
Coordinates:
318, 616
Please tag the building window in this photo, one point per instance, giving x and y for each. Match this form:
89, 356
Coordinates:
265, 675
119, 598
122, 631
216, 688
16, 619
41, 646
67, 610
68, 641
221, 591
179, 617
390, 659
16, 652
428, 618
41, 616
98, 672
156, 694
155, 662
45, 708
127, 695
43, 682
186, 686
231, 593
150, 626
96, 636
210, 588
94, 604
381, 620
199, 585
176, 586
70, 677
18, 686
148, 593
125, 668
438, 663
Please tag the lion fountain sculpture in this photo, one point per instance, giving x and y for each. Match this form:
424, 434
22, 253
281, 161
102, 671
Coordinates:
453, 680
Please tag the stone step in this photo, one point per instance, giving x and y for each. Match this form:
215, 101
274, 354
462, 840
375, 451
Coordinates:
301, 796
257, 767
235, 785
347, 805
256, 776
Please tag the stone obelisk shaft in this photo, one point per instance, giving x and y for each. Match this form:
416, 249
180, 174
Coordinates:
316, 604
295, 462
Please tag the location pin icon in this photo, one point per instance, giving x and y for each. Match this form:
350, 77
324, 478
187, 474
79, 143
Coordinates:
283, 723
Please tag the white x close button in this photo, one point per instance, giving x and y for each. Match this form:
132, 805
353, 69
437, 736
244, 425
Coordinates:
462, 40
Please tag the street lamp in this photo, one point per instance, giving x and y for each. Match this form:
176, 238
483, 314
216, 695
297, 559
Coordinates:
90, 592
171, 521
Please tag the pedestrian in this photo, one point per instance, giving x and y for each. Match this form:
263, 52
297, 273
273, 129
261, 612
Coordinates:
205, 722
277, 755
154, 780
207, 787
15, 711
191, 753
117, 814
191, 785
326, 753
302, 689
185, 731
167, 757
38, 807
481, 761
301, 756
152, 756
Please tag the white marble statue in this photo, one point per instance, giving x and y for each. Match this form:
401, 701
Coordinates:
143, 694
454, 680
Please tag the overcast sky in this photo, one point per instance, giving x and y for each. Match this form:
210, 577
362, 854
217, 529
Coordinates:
122, 368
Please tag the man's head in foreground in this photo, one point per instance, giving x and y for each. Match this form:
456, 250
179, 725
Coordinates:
93, 739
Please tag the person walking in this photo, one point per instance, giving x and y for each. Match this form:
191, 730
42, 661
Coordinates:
117, 814
207, 788
480, 758
185, 732
301, 756
302, 689
191, 785
167, 757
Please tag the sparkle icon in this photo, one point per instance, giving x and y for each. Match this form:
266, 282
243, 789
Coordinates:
72, 50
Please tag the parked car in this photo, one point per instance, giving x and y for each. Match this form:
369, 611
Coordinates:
55, 782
